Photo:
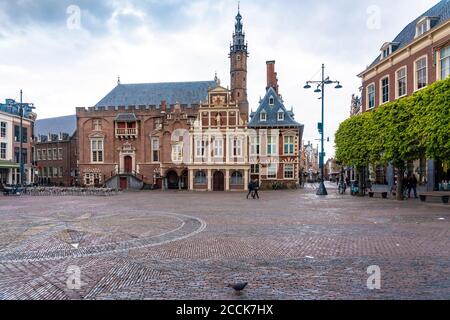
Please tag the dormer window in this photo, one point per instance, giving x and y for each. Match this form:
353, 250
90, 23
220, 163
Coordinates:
271, 101
386, 52
425, 24
388, 48
280, 116
263, 116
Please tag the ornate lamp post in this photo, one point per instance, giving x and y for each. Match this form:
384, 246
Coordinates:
21, 157
321, 89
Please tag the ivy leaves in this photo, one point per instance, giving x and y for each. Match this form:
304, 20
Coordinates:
402, 130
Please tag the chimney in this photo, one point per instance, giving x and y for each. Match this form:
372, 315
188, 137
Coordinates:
272, 80
163, 106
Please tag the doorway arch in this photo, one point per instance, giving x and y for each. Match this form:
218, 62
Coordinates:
173, 181
128, 164
219, 181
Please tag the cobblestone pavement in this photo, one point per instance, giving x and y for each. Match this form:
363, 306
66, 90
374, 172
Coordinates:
177, 245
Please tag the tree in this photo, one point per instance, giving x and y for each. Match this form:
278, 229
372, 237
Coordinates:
400, 131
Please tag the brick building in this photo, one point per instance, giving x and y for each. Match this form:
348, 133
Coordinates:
417, 57
189, 135
309, 162
55, 151
10, 142
275, 141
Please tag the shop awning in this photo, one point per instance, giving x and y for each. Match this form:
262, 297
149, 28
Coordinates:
5, 164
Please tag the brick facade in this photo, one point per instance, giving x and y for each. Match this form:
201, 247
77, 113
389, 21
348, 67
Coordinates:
56, 160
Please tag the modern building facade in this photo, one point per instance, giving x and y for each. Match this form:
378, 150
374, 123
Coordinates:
275, 138
417, 57
10, 142
55, 151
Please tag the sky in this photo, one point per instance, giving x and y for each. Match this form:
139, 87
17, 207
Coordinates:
68, 53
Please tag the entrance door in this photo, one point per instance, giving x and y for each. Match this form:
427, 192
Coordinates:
172, 180
123, 183
219, 181
128, 164
185, 180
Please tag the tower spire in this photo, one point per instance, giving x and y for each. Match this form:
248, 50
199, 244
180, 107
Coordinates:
238, 59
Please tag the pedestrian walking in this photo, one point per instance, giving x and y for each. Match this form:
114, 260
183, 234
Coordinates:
250, 189
412, 185
255, 189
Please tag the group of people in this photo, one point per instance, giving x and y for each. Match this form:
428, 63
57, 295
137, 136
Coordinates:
253, 188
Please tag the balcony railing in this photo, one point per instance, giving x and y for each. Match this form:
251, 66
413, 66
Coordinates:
133, 133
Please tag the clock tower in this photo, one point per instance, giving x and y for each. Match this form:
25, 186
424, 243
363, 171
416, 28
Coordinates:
238, 71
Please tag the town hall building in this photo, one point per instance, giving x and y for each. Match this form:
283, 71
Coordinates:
180, 136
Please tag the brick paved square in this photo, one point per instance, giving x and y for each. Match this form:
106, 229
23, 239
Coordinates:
180, 245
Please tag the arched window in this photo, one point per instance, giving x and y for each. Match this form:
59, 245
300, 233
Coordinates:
200, 177
236, 178
271, 101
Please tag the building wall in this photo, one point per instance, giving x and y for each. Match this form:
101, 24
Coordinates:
65, 163
428, 46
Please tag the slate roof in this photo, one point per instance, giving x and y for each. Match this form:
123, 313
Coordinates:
440, 11
272, 113
147, 94
66, 124
13, 107
126, 117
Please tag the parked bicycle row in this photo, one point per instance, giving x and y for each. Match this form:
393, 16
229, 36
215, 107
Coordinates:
59, 191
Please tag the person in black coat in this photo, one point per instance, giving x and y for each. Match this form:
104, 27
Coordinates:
412, 185
255, 189
251, 188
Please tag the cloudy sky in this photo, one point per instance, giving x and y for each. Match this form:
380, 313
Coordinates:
63, 60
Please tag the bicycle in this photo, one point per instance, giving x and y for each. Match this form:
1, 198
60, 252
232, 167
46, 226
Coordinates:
342, 188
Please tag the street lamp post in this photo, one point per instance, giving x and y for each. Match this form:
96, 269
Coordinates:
22, 169
321, 89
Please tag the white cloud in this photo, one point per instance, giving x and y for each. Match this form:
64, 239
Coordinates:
60, 69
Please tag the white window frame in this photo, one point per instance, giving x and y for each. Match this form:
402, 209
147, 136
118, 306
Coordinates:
441, 76
374, 95
397, 82
285, 166
155, 142
44, 154
423, 26
388, 88
60, 153
289, 145
97, 125
255, 145
272, 144
218, 148
3, 129
280, 116
416, 86
263, 116
236, 147
271, 101
386, 51
3, 150
200, 148
55, 154
177, 152
97, 152
38, 154
269, 171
